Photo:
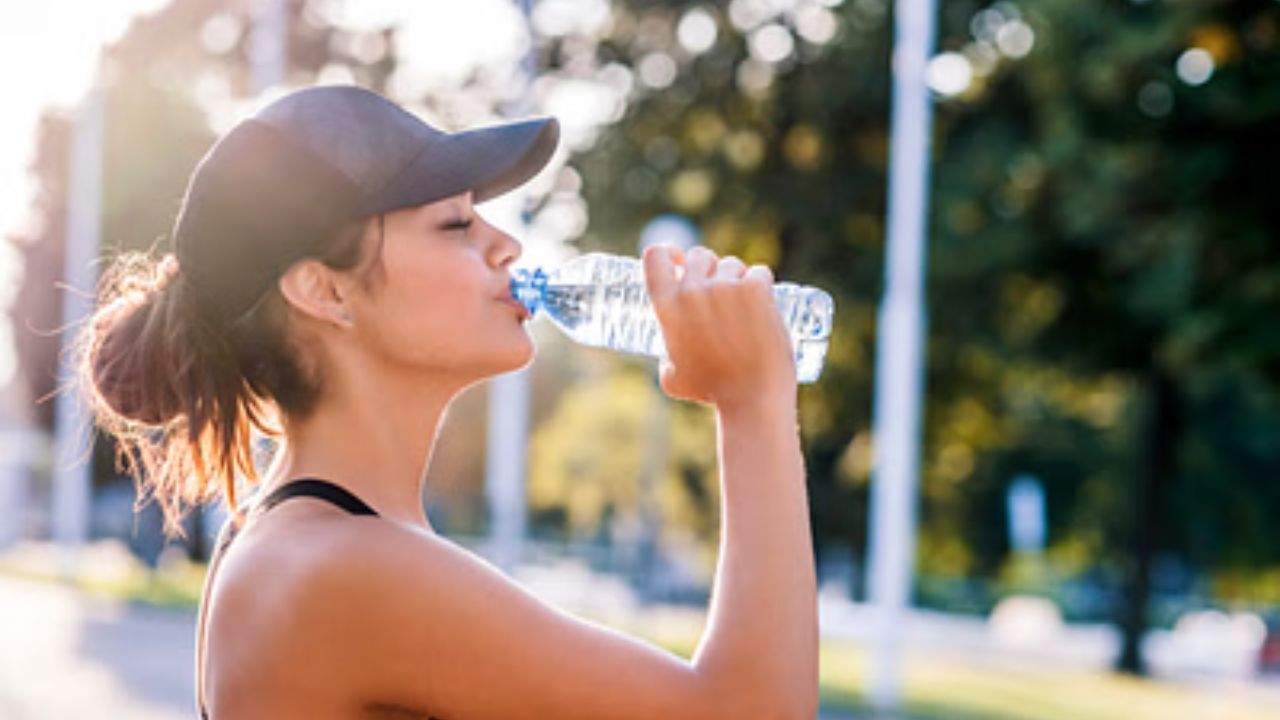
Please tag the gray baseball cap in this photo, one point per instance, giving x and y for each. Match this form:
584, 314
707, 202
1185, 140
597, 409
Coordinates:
278, 185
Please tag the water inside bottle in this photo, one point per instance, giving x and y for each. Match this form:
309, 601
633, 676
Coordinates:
608, 306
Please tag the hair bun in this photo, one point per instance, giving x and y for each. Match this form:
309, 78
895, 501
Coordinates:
135, 345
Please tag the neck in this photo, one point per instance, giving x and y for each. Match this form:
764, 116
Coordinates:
373, 435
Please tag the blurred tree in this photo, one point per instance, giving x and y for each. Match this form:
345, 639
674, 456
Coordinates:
172, 76
778, 153
586, 458
1101, 252
36, 311
1107, 168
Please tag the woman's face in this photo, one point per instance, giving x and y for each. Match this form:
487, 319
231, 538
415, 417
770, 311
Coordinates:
439, 300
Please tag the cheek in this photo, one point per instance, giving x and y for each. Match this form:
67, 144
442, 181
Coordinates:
431, 308
437, 312
427, 281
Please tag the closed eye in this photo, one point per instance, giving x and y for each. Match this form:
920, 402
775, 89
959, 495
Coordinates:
456, 225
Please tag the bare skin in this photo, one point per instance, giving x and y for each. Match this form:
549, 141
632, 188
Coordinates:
319, 614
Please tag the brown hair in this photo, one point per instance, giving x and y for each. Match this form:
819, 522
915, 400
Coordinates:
182, 394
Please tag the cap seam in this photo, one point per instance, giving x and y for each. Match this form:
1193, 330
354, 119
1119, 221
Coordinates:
284, 135
381, 189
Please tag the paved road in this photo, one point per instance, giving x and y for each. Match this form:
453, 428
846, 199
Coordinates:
63, 655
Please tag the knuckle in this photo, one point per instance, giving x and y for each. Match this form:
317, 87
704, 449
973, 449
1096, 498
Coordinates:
722, 289
758, 282
731, 267
701, 252
761, 291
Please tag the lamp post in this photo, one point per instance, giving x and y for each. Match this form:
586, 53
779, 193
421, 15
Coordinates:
899, 350
73, 433
268, 45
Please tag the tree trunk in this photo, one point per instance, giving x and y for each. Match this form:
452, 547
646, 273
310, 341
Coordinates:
1151, 481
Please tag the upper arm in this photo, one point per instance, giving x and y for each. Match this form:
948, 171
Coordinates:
409, 615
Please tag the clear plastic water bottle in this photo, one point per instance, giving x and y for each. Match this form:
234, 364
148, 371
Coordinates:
600, 300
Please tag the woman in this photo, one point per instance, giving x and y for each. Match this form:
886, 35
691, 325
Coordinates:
333, 285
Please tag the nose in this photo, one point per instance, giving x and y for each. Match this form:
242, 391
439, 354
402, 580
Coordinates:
504, 249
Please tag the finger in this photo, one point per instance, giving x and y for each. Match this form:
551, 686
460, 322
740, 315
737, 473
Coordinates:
660, 272
699, 263
759, 274
665, 372
669, 379
730, 268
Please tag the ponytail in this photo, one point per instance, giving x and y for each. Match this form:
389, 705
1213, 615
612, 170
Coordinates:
168, 388
183, 396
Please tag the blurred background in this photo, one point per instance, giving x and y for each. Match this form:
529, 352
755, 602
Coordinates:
1094, 527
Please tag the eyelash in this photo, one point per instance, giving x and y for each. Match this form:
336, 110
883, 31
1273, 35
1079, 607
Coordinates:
458, 225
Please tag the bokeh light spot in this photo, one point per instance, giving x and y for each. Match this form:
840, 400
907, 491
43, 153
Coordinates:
220, 33
803, 147
816, 24
657, 70
1155, 99
754, 77
691, 190
696, 31
772, 44
949, 74
744, 149
1015, 39
1195, 66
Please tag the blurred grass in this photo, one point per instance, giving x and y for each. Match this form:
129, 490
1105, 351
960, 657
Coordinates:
112, 573
943, 686
938, 686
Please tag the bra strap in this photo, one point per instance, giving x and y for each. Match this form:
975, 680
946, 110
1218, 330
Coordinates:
322, 489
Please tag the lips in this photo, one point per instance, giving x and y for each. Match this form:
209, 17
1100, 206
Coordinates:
515, 305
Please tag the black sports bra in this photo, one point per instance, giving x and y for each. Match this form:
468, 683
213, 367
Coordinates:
306, 487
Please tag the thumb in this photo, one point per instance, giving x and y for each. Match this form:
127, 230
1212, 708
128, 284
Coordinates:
660, 272
669, 379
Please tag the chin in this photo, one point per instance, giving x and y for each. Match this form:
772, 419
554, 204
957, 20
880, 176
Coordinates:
515, 357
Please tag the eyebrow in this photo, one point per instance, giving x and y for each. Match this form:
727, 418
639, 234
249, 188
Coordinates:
458, 208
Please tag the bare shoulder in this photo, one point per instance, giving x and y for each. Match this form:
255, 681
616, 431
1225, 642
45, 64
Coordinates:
400, 616
253, 649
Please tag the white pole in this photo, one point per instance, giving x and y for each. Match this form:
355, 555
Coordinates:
268, 45
73, 466
508, 432
899, 377
505, 466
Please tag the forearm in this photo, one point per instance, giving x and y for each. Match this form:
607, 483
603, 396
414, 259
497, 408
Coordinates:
762, 634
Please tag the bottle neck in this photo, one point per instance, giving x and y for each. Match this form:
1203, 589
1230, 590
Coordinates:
529, 288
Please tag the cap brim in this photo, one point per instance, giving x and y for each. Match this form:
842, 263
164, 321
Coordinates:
488, 161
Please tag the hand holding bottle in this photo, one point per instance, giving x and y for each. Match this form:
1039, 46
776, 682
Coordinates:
726, 343
600, 300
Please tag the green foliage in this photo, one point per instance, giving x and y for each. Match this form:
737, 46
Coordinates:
791, 174
1128, 217
615, 448
1098, 222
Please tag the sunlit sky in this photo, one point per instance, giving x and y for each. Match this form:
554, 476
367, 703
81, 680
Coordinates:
44, 60
47, 60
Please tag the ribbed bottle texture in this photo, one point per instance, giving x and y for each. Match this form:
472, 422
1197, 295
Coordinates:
600, 300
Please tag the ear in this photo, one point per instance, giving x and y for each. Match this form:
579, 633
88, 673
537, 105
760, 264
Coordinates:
316, 291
